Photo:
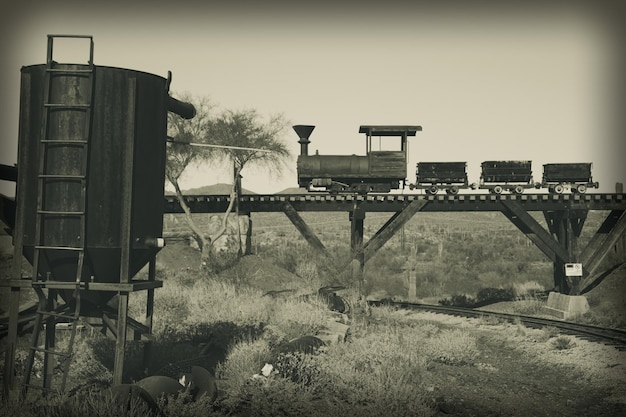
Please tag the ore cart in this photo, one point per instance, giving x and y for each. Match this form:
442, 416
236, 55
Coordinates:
576, 176
512, 176
449, 176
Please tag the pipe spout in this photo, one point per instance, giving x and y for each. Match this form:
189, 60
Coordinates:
184, 110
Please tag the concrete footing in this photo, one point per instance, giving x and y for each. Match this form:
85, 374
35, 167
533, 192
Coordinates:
566, 306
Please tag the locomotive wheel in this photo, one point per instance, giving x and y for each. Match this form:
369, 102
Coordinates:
432, 190
581, 188
518, 189
497, 189
454, 190
558, 189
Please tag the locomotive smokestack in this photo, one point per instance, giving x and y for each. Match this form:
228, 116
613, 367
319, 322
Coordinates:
304, 131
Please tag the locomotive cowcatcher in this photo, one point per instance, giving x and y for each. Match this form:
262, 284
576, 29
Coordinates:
378, 171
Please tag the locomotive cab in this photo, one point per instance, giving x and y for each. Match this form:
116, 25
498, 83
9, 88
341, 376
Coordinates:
382, 169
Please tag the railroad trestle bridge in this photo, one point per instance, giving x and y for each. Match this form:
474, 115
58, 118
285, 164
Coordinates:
564, 215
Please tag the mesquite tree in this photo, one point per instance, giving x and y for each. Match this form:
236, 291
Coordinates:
180, 155
241, 139
250, 141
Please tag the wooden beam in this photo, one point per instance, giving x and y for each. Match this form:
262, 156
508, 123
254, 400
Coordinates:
535, 232
533, 237
601, 235
601, 243
577, 220
304, 228
591, 282
391, 227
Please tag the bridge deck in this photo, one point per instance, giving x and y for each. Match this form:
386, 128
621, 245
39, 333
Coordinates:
397, 202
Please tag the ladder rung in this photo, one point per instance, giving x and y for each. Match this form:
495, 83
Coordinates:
61, 213
60, 315
65, 142
70, 248
62, 176
52, 352
68, 106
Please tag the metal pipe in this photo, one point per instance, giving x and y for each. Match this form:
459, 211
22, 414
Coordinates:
184, 110
8, 172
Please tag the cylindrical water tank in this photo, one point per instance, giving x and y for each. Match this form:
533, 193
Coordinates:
126, 130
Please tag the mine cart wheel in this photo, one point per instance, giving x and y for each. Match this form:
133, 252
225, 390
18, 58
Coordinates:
454, 190
581, 188
558, 189
432, 190
518, 189
497, 189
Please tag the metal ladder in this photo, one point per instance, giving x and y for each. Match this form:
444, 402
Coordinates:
48, 311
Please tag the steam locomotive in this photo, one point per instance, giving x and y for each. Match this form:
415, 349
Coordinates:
382, 170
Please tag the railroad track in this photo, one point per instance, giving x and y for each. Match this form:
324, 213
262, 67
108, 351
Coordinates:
608, 336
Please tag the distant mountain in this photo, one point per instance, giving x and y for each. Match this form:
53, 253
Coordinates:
293, 190
215, 189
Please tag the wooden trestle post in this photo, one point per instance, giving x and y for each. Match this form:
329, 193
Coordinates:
357, 217
566, 226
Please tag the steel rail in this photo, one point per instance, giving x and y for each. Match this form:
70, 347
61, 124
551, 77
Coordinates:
606, 335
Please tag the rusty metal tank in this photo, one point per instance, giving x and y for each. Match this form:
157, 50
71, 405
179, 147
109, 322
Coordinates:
125, 125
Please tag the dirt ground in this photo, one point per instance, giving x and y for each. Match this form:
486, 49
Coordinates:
519, 373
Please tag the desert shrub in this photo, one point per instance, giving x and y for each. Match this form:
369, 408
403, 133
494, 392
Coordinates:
378, 374
293, 318
563, 343
458, 300
243, 360
301, 368
86, 370
547, 333
451, 347
527, 289
493, 295
92, 403
528, 307
171, 307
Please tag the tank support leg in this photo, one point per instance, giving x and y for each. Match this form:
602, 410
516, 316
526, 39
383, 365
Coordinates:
50, 341
120, 341
147, 347
9, 358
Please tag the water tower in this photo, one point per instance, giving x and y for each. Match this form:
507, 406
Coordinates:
89, 199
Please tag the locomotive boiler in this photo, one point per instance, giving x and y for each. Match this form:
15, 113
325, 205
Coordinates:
376, 171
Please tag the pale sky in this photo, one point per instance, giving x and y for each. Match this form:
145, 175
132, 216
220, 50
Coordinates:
485, 83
